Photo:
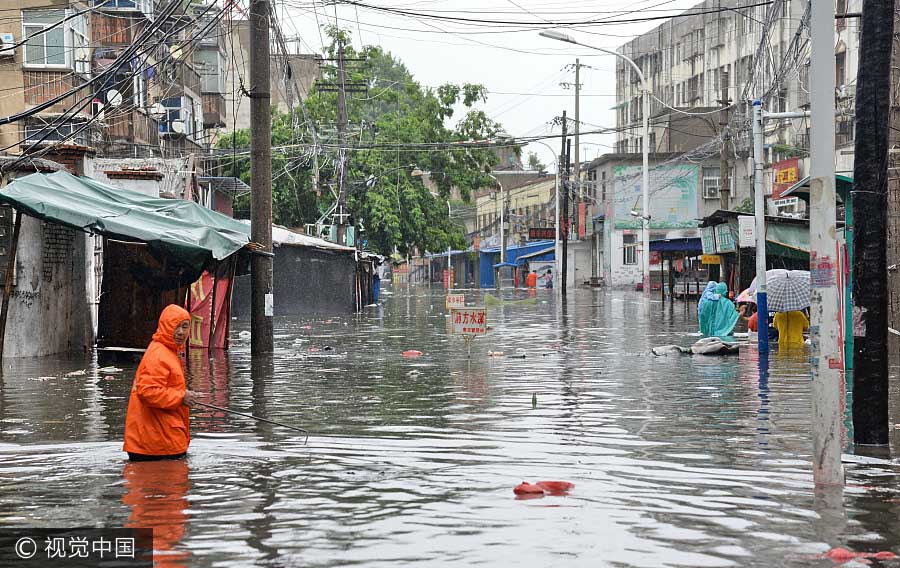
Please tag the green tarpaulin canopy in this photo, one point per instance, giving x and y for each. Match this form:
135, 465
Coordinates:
182, 229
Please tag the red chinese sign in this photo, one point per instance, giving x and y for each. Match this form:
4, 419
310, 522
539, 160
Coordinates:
468, 321
786, 173
203, 310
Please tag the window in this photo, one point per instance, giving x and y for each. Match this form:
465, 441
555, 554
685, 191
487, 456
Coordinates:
711, 182
629, 249
840, 69
145, 6
48, 46
47, 132
211, 66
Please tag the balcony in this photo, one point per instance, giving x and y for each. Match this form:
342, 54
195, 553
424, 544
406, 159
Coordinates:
182, 74
114, 30
131, 130
213, 110
41, 86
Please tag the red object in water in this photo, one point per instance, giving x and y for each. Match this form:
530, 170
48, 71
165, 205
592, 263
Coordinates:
526, 488
841, 555
555, 487
412, 353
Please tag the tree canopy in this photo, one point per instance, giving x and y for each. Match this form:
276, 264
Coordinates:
400, 169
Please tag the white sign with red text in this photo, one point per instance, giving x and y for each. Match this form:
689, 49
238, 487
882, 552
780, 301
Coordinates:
456, 301
468, 321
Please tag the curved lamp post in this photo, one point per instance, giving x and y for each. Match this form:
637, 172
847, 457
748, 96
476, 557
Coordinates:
645, 149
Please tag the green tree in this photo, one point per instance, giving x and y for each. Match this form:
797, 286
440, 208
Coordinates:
395, 129
534, 162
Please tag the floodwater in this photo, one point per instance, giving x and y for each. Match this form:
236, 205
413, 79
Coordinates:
676, 461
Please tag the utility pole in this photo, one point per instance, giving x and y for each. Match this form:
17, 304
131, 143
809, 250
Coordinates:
826, 361
724, 168
262, 300
342, 153
870, 359
893, 204
567, 185
580, 195
563, 213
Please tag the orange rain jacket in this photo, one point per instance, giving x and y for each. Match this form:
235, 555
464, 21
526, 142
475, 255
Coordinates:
158, 422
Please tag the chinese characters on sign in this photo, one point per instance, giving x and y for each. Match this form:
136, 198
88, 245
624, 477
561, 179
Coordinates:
456, 301
708, 239
468, 321
541, 233
746, 231
787, 173
724, 238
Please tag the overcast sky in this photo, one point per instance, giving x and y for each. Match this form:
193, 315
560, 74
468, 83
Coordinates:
521, 70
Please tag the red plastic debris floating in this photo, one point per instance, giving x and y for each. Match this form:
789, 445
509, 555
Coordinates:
526, 488
555, 487
840, 555
542, 488
412, 353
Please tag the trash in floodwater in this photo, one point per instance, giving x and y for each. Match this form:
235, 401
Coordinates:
534, 400
244, 335
841, 555
109, 370
541, 488
495, 353
412, 353
306, 327
77, 373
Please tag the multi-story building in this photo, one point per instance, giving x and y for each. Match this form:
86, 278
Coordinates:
719, 49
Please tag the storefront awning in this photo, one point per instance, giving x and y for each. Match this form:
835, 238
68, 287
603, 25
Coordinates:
182, 229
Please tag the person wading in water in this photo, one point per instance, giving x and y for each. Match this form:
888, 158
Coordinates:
157, 425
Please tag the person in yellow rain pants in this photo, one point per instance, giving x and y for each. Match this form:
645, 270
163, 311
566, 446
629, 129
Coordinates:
790, 326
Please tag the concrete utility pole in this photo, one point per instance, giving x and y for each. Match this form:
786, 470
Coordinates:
893, 204
577, 166
262, 300
724, 168
826, 361
759, 210
563, 214
342, 153
870, 360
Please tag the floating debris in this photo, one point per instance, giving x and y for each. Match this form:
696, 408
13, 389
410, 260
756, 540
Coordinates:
77, 373
109, 370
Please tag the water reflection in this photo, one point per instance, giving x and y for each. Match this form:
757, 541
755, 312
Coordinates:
678, 460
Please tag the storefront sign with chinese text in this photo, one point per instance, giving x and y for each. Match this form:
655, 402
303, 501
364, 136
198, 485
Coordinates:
456, 301
786, 173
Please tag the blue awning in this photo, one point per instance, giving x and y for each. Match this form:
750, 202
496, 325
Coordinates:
688, 244
502, 264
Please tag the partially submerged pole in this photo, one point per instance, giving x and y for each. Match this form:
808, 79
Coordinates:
759, 210
8, 281
826, 361
261, 293
870, 293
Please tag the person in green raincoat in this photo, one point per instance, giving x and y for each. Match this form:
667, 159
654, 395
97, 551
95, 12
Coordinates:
718, 315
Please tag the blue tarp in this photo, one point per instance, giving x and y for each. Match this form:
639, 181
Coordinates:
491, 256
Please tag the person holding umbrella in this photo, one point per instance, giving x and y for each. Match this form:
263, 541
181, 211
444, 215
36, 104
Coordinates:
790, 326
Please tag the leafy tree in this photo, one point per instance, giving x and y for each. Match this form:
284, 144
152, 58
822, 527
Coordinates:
534, 162
397, 131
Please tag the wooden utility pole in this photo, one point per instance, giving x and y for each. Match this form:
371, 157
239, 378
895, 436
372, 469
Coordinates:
724, 168
870, 299
262, 301
893, 200
563, 216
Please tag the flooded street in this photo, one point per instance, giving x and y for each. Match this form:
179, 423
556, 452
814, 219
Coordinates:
676, 461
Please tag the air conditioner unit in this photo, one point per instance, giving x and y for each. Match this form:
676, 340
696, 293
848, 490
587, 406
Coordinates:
7, 45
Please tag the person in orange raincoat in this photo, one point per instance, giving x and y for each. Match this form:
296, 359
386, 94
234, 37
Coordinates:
157, 425
531, 280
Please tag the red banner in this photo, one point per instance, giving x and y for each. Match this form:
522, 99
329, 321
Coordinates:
785, 174
203, 311
582, 219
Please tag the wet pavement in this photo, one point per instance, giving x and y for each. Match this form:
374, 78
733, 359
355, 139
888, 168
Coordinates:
676, 461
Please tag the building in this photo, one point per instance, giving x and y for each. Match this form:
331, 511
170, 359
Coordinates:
292, 77
681, 193
691, 60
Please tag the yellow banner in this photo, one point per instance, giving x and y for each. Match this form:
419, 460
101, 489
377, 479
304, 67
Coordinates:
710, 259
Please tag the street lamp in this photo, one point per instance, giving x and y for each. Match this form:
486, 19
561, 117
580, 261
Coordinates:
645, 148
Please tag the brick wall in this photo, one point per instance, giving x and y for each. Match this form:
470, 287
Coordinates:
56, 248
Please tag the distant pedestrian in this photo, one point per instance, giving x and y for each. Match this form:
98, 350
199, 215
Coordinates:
548, 280
531, 279
157, 424
790, 326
